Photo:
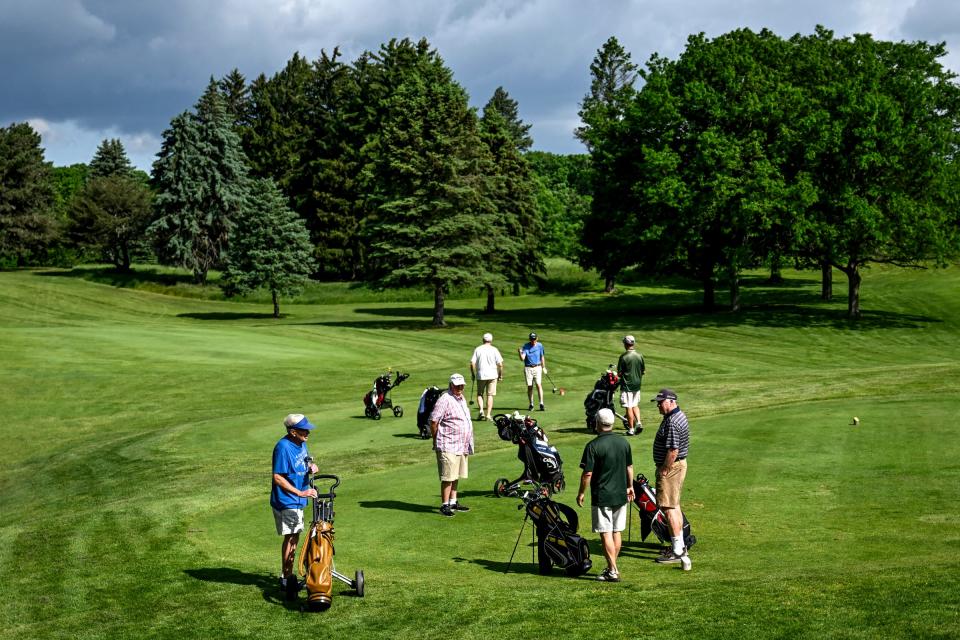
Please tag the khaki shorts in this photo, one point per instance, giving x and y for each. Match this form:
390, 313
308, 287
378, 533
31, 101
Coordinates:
288, 521
533, 374
451, 466
609, 519
629, 398
670, 485
486, 388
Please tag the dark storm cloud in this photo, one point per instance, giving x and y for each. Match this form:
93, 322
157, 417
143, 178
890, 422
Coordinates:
126, 67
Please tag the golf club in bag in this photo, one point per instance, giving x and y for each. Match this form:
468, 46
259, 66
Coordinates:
427, 401
651, 516
601, 397
316, 559
555, 530
541, 460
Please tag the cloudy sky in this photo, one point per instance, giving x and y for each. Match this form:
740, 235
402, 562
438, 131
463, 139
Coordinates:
81, 71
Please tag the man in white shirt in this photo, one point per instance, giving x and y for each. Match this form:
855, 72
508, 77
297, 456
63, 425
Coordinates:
486, 367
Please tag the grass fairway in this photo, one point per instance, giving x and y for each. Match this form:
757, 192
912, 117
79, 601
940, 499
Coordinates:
137, 430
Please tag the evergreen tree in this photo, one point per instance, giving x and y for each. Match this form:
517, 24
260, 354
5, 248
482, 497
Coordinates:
431, 172
236, 97
111, 214
200, 178
606, 244
270, 247
110, 160
516, 234
27, 196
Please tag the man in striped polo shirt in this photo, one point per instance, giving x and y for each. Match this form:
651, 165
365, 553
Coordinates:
452, 432
670, 447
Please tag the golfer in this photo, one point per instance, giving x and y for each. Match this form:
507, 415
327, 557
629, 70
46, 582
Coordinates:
452, 432
486, 367
670, 447
631, 368
534, 366
607, 465
291, 489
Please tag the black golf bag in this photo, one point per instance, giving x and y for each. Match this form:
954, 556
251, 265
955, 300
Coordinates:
651, 516
427, 400
556, 531
541, 460
378, 397
601, 397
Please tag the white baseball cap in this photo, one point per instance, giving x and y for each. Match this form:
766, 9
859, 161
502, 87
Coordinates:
605, 417
456, 380
488, 337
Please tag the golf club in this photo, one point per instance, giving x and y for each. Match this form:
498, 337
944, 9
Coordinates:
551, 381
472, 376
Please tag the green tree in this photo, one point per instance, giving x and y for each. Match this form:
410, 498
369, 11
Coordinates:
111, 214
270, 247
201, 184
882, 143
431, 173
324, 188
516, 235
27, 196
236, 97
110, 159
562, 186
605, 245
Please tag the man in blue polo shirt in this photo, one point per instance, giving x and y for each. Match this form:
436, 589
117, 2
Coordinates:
534, 365
291, 490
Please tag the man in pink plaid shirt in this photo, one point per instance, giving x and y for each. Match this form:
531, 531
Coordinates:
452, 432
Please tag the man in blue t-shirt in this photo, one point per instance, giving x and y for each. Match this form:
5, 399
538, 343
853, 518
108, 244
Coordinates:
291, 490
534, 364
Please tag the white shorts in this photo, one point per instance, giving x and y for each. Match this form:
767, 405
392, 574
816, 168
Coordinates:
610, 519
629, 398
533, 374
289, 521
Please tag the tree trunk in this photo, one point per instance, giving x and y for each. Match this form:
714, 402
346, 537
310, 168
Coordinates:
609, 283
276, 304
734, 291
853, 291
490, 297
826, 281
709, 294
516, 288
125, 258
438, 306
776, 260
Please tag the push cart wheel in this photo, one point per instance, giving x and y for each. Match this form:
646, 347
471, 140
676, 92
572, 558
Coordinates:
376, 413
398, 411
358, 583
500, 487
368, 411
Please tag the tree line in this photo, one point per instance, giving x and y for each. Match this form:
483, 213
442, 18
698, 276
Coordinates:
747, 150
750, 149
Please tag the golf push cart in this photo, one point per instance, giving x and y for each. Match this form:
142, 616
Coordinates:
316, 560
555, 530
378, 398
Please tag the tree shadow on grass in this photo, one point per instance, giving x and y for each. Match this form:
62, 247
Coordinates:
267, 584
663, 312
230, 315
107, 274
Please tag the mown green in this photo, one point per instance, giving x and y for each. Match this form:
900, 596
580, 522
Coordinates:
137, 430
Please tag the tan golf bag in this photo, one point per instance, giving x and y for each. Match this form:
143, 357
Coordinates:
316, 563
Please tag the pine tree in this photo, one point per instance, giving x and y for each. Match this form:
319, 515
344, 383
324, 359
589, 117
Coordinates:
201, 182
110, 160
270, 247
111, 214
432, 182
517, 233
27, 197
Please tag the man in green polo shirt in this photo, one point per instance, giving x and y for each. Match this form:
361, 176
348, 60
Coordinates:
607, 465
